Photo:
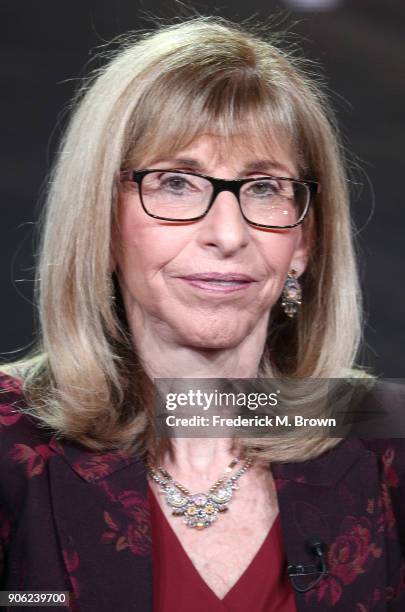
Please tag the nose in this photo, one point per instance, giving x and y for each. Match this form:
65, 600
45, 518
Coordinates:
224, 227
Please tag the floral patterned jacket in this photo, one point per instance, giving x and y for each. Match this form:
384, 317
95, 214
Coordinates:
78, 521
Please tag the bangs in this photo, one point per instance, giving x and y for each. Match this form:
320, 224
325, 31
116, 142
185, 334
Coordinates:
238, 108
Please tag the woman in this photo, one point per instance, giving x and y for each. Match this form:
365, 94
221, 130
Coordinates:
199, 192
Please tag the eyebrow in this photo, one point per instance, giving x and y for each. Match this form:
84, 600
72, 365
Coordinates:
256, 165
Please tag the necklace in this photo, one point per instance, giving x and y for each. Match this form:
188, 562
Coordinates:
199, 510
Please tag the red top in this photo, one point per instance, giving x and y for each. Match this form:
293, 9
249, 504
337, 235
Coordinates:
177, 586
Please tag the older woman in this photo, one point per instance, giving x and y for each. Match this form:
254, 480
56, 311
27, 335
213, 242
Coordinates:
197, 226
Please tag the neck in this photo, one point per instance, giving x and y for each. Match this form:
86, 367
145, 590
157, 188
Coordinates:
163, 357
199, 460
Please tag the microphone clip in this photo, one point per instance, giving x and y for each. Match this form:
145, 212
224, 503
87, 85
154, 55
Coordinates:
316, 547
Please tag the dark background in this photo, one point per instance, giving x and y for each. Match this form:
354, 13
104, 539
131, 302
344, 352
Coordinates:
360, 48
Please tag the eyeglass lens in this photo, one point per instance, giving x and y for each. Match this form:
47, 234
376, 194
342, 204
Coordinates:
271, 201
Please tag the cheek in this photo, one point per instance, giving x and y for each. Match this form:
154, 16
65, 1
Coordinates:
277, 251
145, 245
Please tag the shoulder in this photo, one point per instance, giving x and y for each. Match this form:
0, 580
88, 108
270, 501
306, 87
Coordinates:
10, 386
27, 445
377, 411
384, 409
24, 444
11, 402
390, 455
17, 421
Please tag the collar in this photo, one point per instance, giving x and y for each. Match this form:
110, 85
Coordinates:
328, 468
325, 470
92, 466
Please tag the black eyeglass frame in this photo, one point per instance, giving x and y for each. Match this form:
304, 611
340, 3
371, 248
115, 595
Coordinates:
232, 185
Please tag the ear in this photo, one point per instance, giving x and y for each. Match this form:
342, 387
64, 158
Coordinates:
302, 249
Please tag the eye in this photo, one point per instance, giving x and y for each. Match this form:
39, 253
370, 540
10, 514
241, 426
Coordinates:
178, 183
174, 182
262, 188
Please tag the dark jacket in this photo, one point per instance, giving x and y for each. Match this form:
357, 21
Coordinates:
78, 521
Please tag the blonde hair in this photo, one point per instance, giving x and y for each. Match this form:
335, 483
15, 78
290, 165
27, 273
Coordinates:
157, 93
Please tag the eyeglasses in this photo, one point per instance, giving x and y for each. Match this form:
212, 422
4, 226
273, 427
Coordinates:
175, 195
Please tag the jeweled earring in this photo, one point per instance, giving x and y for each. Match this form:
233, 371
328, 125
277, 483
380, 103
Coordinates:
291, 296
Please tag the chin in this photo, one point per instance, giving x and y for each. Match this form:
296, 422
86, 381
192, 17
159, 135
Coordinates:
219, 336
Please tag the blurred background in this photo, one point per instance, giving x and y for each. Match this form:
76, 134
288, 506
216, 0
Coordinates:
359, 47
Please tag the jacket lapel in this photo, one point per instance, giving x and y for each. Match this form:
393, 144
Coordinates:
335, 498
102, 521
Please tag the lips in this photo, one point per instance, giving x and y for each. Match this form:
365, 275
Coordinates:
219, 283
219, 276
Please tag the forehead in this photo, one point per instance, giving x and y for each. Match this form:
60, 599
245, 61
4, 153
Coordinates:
246, 151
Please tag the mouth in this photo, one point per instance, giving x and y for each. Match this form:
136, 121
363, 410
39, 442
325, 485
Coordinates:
218, 282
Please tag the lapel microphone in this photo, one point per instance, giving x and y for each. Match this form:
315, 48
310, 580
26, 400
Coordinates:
316, 547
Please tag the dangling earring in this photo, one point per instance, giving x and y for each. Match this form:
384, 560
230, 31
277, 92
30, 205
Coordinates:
291, 296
